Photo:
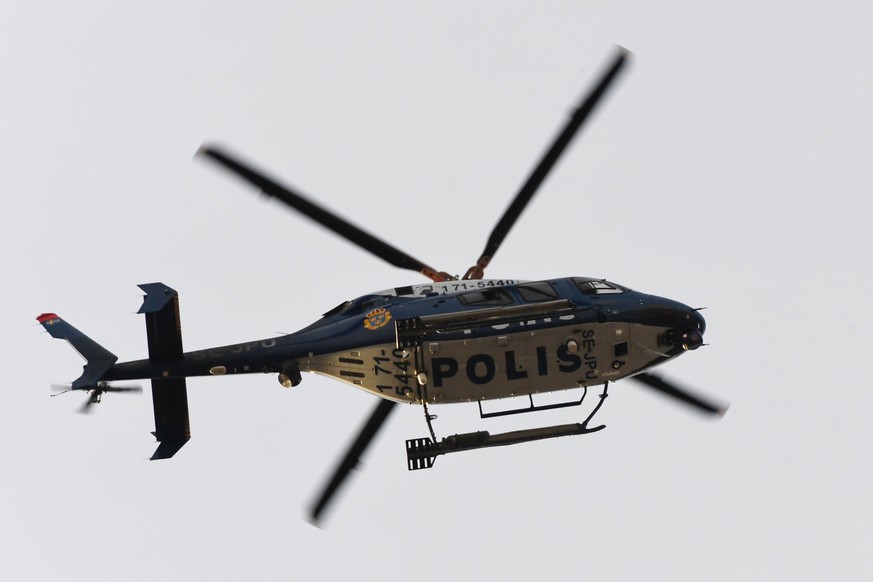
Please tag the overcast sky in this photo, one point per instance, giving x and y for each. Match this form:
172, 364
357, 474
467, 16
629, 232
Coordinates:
729, 168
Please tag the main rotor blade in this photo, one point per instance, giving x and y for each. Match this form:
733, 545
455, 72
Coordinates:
327, 219
670, 389
542, 169
353, 456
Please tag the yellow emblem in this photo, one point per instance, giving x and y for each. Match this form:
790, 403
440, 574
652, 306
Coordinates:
377, 318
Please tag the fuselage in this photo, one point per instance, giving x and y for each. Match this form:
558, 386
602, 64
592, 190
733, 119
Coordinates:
460, 341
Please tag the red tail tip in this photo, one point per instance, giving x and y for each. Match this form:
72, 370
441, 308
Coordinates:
46, 317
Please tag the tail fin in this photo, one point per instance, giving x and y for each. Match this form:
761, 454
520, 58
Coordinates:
98, 359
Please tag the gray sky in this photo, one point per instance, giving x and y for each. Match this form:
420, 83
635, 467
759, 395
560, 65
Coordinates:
729, 169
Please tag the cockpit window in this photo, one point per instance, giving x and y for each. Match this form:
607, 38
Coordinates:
597, 286
537, 291
489, 296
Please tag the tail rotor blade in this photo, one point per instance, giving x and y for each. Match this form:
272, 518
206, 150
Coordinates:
95, 394
329, 220
87, 406
123, 389
542, 169
352, 457
681, 394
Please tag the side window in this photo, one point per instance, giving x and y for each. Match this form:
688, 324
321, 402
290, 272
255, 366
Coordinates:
374, 302
596, 286
537, 291
489, 296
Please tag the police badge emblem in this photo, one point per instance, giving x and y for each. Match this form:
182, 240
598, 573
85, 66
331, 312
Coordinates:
377, 318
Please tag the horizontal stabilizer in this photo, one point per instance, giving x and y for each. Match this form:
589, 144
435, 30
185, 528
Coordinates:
172, 427
169, 396
98, 359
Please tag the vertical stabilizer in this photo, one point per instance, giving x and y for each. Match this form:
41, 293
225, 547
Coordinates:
98, 360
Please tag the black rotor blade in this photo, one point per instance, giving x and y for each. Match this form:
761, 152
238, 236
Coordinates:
340, 226
670, 389
542, 169
352, 457
87, 406
127, 389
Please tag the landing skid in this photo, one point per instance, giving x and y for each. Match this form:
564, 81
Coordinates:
422, 452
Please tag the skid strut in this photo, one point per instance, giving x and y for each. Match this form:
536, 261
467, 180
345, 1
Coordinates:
422, 452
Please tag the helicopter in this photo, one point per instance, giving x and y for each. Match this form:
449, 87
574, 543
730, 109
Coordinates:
451, 340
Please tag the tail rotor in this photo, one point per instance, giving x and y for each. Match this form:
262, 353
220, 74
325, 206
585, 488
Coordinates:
95, 393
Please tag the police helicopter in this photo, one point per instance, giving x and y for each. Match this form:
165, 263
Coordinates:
452, 340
